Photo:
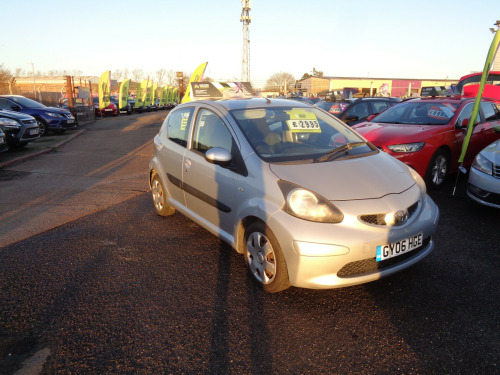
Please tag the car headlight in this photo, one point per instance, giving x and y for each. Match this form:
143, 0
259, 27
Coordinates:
52, 114
307, 205
419, 180
482, 164
407, 147
8, 123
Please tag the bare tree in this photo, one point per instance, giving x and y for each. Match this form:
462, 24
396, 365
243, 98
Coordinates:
137, 74
280, 82
126, 74
5, 78
19, 72
116, 74
160, 76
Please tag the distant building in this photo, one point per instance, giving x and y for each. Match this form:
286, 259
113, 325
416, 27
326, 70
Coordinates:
366, 86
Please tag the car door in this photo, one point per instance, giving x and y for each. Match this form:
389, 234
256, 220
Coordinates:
210, 188
477, 140
173, 146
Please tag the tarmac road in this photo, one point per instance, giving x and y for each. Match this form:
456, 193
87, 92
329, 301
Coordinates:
105, 286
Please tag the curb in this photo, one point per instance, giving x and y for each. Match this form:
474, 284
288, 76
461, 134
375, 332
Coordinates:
48, 149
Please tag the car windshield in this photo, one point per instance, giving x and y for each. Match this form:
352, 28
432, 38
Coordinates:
299, 134
25, 102
418, 113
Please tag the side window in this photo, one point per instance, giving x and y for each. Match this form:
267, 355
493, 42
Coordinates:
5, 104
465, 114
380, 106
210, 131
489, 111
178, 125
360, 110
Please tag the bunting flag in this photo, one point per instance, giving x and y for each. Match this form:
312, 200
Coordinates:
123, 98
104, 89
197, 76
475, 109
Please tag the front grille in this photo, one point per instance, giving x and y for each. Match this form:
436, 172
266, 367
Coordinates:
496, 170
367, 266
379, 219
29, 122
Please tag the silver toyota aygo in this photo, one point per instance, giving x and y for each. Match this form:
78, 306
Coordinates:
307, 200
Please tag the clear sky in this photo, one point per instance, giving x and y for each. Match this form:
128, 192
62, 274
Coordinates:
363, 38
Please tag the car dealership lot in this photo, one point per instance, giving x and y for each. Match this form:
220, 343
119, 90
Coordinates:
91, 274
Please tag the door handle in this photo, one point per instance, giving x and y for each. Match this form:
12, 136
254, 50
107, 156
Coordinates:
187, 164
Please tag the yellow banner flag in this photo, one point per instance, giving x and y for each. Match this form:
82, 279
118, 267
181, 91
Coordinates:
104, 89
197, 76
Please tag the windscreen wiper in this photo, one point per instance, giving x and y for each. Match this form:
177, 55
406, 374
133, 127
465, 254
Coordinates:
334, 152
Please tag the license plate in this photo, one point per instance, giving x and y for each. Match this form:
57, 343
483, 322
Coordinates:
33, 131
70, 121
108, 110
399, 248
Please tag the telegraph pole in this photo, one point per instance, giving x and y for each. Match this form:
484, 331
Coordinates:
245, 61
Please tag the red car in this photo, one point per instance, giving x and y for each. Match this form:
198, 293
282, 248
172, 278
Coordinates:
427, 133
111, 109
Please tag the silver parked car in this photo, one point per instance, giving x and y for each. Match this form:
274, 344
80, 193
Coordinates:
302, 196
484, 176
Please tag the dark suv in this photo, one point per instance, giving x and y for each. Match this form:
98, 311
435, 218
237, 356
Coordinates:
356, 110
19, 128
48, 118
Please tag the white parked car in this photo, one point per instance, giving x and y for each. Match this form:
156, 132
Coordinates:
301, 195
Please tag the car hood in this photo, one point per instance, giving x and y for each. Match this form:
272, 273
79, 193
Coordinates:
366, 177
15, 115
56, 110
492, 152
383, 134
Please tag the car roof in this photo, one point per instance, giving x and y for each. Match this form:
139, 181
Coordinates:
446, 99
231, 104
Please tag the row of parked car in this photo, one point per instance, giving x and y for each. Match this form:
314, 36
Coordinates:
114, 109
23, 120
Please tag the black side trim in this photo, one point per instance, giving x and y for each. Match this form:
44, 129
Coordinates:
199, 194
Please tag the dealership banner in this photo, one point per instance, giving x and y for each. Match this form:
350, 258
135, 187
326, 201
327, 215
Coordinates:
175, 95
473, 116
154, 92
197, 76
123, 98
220, 90
104, 89
139, 102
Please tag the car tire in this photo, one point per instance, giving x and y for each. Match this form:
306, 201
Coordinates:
264, 259
159, 199
437, 170
43, 128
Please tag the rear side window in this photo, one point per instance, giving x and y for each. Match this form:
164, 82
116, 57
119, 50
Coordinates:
178, 125
380, 106
489, 111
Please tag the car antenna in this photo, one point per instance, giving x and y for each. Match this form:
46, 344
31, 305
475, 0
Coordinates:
268, 101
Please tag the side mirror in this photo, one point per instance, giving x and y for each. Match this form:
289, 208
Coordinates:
219, 156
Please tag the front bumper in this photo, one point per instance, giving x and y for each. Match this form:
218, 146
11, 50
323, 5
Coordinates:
353, 242
483, 188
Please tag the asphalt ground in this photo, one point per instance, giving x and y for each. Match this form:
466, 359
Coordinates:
121, 290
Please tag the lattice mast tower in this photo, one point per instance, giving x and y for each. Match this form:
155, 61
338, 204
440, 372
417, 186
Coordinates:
246, 5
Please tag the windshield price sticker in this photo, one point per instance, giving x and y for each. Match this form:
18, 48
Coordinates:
303, 121
299, 126
399, 248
